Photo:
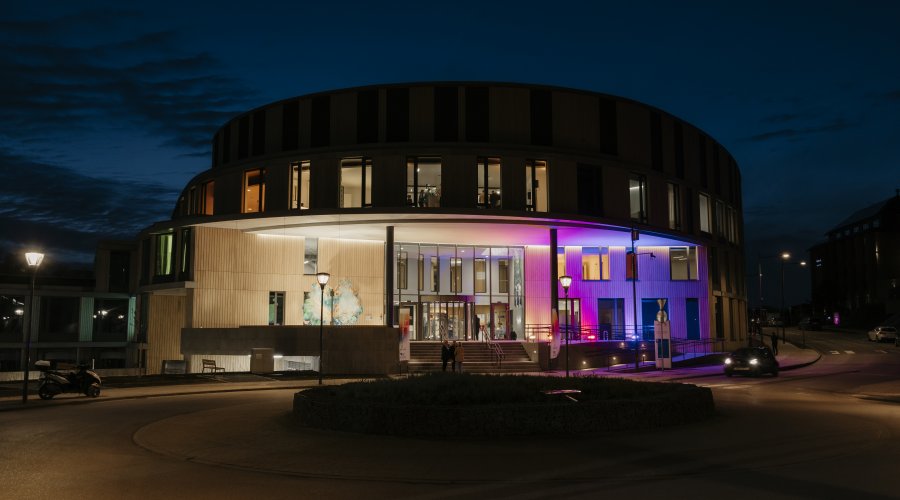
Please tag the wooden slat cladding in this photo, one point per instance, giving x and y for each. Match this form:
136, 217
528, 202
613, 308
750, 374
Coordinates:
164, 330
235, 271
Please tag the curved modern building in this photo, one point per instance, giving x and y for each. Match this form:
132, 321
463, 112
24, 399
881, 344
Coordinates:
449, 210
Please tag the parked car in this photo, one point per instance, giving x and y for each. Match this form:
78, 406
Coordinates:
751, 361
809, 324
882, 333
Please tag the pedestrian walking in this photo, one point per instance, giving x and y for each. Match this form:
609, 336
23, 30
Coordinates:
775, 343
445, 355
477, 328
459, 354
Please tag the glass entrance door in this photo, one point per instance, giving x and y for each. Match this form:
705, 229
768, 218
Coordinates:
445, 320
499, 323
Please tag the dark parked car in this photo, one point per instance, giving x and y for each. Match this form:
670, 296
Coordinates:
751, 361
809, 324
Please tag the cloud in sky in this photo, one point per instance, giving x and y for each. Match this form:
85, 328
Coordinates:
66, 211
145, 81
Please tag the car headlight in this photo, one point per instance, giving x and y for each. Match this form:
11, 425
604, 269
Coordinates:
727, 361
754, 361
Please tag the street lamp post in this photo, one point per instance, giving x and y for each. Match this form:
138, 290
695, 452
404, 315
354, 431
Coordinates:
322, 278
785, 258
566, 281
34, 260
634, 256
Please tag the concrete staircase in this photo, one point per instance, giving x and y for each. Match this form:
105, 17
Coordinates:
426, 357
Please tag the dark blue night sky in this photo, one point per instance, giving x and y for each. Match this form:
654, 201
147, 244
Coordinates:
109, 108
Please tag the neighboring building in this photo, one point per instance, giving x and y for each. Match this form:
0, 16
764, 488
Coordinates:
479, 194
77, 319
855, 273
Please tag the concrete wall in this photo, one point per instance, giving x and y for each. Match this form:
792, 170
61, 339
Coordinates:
356, 350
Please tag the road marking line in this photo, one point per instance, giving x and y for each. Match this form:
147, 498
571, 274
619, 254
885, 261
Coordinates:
835, 352
879, 350
850, 352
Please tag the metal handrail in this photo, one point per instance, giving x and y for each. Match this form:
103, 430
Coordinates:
497, 351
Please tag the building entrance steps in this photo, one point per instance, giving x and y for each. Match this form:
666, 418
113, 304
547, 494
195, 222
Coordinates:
426, 357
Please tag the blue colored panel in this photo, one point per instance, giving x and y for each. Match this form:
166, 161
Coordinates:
692, 318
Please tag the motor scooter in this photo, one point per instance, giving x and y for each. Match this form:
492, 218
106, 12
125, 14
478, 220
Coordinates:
55, 382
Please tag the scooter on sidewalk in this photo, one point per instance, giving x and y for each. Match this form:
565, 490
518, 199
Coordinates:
55, 382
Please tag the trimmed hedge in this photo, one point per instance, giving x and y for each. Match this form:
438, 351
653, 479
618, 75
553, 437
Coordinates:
444, 405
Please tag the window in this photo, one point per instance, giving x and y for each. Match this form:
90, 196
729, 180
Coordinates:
478, 114
402, 274
541, 117
397, 115
184, 268
420, 272
164, 244
367, 116
356, 182
110, 320
589, 189
60, 318
300, 185
674, 206
560, 262
208, 191
594, 263
536, 186
12, 314
254, 191
480, 275
435, 273
489, 183
455, 274
423, 181
637, 188
705, 226
570, 319
611, 319
656, 142
310, 256
276, 308
683, 263
119, 271
446, 113
608, 126
503, 275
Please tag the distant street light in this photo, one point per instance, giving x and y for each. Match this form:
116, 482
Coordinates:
566, 282
785, 259
34, 260
322, 278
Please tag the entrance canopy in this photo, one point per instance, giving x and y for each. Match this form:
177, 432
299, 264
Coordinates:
447, 229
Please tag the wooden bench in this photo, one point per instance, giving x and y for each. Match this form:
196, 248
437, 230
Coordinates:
210, 364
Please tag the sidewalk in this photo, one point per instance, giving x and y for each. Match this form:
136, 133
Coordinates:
789, 357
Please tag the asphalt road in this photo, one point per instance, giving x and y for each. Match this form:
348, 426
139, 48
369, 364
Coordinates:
830, 430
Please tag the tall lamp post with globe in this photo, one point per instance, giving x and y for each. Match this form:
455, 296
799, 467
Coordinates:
566, 282
322, 279
34, 260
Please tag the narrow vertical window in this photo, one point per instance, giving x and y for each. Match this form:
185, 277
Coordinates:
560, 262
480, 275
704, 213
300, 185
674, 206
209, 198
164, 249
420, 272
503, 275
720, 218
489, 195
637, 197
254, 191
402, 274
536, 186
455, 274
356, 179
435, 274
276, 308
310, 256
184, 269
423, 181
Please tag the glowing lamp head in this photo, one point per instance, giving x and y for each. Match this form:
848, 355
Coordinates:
566, 282
322, 278
785, 255
34, 258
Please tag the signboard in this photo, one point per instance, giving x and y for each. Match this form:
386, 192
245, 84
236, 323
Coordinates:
404, 337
